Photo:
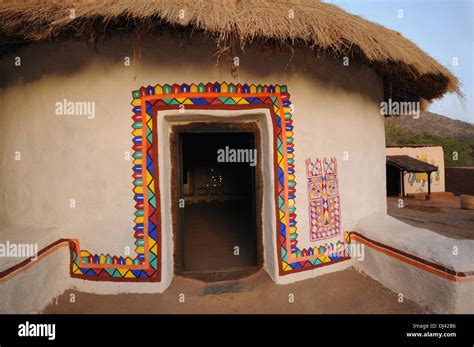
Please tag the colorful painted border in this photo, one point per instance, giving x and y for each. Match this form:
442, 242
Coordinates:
147, 102
146, 265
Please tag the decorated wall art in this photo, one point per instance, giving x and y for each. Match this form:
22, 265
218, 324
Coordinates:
147, 103
419, 181
323, 198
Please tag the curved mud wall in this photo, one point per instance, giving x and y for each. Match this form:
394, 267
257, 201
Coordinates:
85, 158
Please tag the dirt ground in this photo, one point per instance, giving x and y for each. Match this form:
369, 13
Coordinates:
444, 217
346, 291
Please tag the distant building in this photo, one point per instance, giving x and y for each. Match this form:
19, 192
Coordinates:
121, 147
415, 174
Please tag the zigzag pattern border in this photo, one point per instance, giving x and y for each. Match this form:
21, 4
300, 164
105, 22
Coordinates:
145, 266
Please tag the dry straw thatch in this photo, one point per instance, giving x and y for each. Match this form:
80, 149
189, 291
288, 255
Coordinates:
409, 74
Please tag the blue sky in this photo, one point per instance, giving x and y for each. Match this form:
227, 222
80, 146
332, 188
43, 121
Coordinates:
442, 28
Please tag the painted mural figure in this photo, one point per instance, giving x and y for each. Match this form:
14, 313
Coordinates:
323, 195
421, 179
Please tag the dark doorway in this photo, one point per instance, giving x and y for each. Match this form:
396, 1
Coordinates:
218, 224
393, 180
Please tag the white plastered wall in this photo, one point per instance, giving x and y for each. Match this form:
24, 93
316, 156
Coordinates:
336, 114
260, 117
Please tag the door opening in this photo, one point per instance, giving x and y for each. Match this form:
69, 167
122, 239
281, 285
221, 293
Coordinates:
218, 233
393, 181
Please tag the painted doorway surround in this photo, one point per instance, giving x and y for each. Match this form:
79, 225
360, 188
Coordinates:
148, 103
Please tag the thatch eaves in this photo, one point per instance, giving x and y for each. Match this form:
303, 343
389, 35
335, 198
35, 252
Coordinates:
408, 73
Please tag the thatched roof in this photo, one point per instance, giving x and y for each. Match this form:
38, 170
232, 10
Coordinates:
409, 74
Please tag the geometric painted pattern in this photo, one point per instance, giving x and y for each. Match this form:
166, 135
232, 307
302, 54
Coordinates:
147, 103
144, 266
323, 195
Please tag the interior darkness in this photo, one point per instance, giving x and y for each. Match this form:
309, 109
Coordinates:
219, 211
393, 181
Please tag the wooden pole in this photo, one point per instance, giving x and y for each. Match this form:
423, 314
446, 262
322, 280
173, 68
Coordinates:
429, 183
402, 177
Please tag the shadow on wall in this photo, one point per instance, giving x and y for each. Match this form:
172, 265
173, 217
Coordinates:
41, 59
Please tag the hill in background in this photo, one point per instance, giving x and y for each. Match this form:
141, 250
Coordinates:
456, 137
435, 124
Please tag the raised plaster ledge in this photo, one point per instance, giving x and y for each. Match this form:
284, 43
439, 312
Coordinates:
25, 235
417, 263
422, 243
30, 288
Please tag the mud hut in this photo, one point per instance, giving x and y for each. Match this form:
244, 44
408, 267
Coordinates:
114, 114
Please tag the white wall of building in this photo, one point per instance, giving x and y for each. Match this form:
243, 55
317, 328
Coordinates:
336, 114
418, 182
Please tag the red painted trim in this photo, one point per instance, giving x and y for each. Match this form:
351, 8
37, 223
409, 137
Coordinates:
25, 263
411, 259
